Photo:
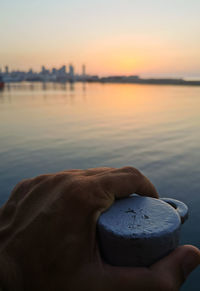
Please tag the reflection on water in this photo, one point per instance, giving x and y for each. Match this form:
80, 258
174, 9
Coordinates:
50, 127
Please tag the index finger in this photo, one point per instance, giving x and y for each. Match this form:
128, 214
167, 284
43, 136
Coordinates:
125, 181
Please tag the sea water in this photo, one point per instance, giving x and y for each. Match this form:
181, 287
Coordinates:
49, 127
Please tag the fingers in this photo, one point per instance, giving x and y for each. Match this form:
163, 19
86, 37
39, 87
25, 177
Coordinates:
167, 274
177, 266
125, 181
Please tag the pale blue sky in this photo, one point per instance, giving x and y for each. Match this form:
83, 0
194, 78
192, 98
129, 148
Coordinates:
121, 36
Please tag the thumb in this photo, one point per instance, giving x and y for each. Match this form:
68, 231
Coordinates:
174, 268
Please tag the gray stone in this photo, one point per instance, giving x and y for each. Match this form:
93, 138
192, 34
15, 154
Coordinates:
138, 231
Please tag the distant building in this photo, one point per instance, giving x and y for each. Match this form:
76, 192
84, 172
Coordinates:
62, 70
6, 70
54, 71
60, 75
83, 71
71, 72
44, 71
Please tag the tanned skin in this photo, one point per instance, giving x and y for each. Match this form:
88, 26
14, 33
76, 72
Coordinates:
48, 235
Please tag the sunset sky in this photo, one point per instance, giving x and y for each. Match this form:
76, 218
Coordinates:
145, 37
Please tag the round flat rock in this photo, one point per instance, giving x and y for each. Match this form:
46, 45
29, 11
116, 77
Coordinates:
137, 231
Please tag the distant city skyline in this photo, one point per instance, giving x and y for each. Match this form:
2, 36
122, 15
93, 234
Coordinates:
81, 70
68, 74
62, 74
121, 37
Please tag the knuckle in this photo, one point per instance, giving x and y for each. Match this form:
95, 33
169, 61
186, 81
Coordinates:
23, 184
87, 192
60, 177
41, 178
67, 177
76, 186
132, 170
19, 191
27, 184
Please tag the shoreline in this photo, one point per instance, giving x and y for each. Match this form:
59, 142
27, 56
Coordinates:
174, 82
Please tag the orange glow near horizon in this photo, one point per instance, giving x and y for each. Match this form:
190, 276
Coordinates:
109, 37
117, 55
107, 62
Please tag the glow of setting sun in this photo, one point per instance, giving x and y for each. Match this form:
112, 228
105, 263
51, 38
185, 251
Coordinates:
110, 37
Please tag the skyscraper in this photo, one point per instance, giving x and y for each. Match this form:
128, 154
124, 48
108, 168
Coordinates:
83, 71
43, 70
6, 70
71, 71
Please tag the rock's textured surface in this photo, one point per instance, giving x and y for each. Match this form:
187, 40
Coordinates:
137, 231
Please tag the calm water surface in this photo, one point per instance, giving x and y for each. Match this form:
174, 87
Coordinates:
51, 127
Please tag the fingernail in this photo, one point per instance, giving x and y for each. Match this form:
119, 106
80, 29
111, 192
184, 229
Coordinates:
191, 261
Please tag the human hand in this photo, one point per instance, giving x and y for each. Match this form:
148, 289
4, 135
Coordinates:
48, 235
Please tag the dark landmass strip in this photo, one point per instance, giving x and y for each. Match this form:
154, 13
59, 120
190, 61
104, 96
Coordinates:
137, 80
